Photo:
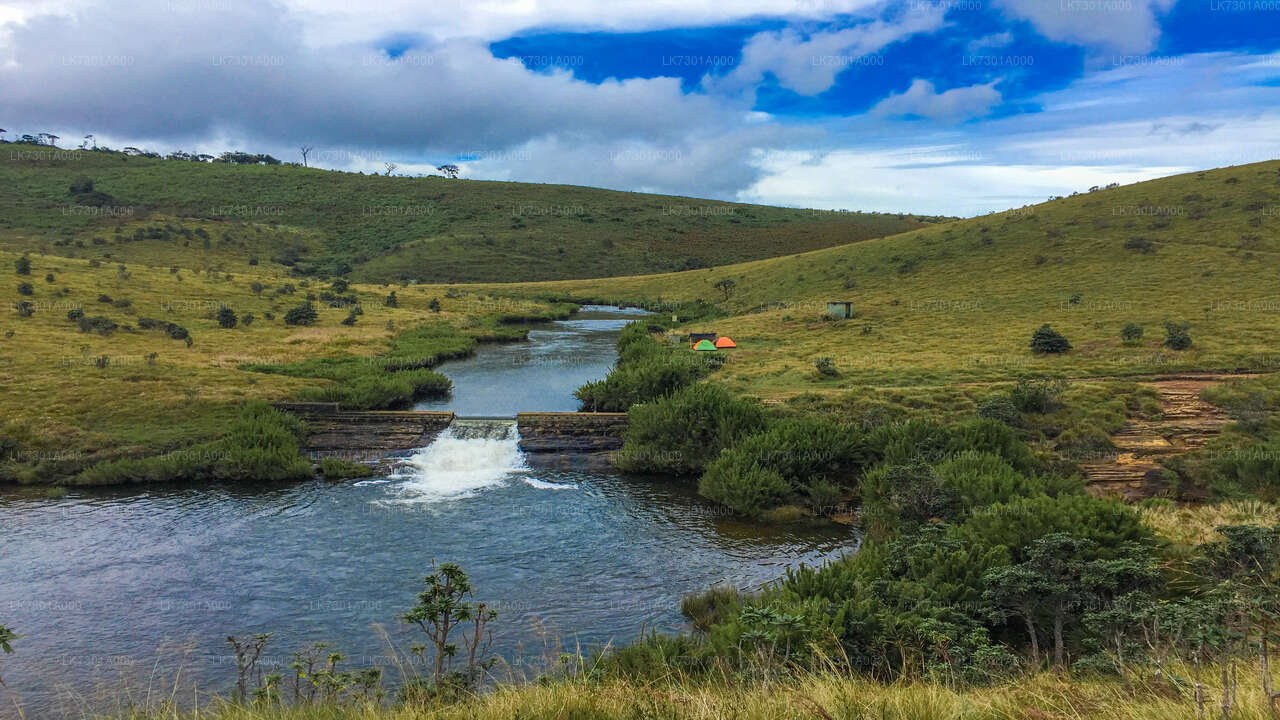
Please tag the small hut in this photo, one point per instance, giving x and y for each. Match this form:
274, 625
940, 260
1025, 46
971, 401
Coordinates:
839, 308
695, 337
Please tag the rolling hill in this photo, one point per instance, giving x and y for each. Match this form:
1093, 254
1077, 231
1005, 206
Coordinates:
389, 229
958, 303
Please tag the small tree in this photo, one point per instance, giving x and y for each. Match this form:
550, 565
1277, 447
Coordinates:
340, 286
25, 309
247, 652
304, 314
1131, 333
1176, 336
392, 300
434, 305
450, 171
23, 265
350, 319
25, 289
446, 603
226, 317
1048, 340
726, 287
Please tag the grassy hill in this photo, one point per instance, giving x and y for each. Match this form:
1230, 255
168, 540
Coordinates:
958, 303
390, 229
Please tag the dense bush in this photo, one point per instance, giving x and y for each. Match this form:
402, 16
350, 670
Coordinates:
901, 497
1131, 333
22, 265
1000, 408
796, 461
1047, 340
684, 431
1037, 395
25, 308
646, 370
226, 317
74, 314
25, 289
1176, 335
304, 314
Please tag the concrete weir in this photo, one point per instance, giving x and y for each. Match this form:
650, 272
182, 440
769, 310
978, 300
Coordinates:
371, 434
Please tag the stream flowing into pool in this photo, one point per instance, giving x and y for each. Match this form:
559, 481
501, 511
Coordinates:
120, 589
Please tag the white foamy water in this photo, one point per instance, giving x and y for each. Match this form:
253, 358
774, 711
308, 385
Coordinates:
468, 456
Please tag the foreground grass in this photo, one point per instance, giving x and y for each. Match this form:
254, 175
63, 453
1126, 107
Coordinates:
1041, 697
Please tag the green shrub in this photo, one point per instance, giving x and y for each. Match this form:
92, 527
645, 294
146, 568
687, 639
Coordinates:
304, 314
1047, 340
1131, 333
98, 324
1018, 523
226, 317
22, 265
25, 289
682, 432
1000, 408
1176, 336
796, 461
646, 370
25, 308
392, 300
338, 469
74, 314
826, 367
1037, 395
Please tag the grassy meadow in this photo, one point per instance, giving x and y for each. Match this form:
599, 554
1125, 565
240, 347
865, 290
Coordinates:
957, 303
378, 229
72, 397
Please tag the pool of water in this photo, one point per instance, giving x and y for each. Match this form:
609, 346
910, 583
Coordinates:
128, 587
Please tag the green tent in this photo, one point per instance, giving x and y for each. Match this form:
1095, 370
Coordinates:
705, 345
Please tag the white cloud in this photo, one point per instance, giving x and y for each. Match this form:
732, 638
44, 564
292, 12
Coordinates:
956, 104
1116, 26
809, 65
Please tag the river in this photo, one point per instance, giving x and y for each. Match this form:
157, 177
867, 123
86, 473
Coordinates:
119, 588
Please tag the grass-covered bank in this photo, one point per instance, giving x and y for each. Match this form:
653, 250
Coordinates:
107, 361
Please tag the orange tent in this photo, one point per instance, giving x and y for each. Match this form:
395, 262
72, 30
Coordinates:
725, 342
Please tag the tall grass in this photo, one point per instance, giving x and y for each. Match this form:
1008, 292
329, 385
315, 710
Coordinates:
810, 696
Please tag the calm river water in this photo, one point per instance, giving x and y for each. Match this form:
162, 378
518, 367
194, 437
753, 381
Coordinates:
124, 588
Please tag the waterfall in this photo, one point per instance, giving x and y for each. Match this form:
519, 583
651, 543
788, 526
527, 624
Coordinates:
469, 455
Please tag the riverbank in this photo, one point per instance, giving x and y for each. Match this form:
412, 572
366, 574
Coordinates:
111, 362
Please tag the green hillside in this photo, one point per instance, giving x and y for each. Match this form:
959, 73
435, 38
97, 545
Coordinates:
958, 303
392, 229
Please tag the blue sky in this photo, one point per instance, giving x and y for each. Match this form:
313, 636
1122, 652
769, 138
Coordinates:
946, 106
